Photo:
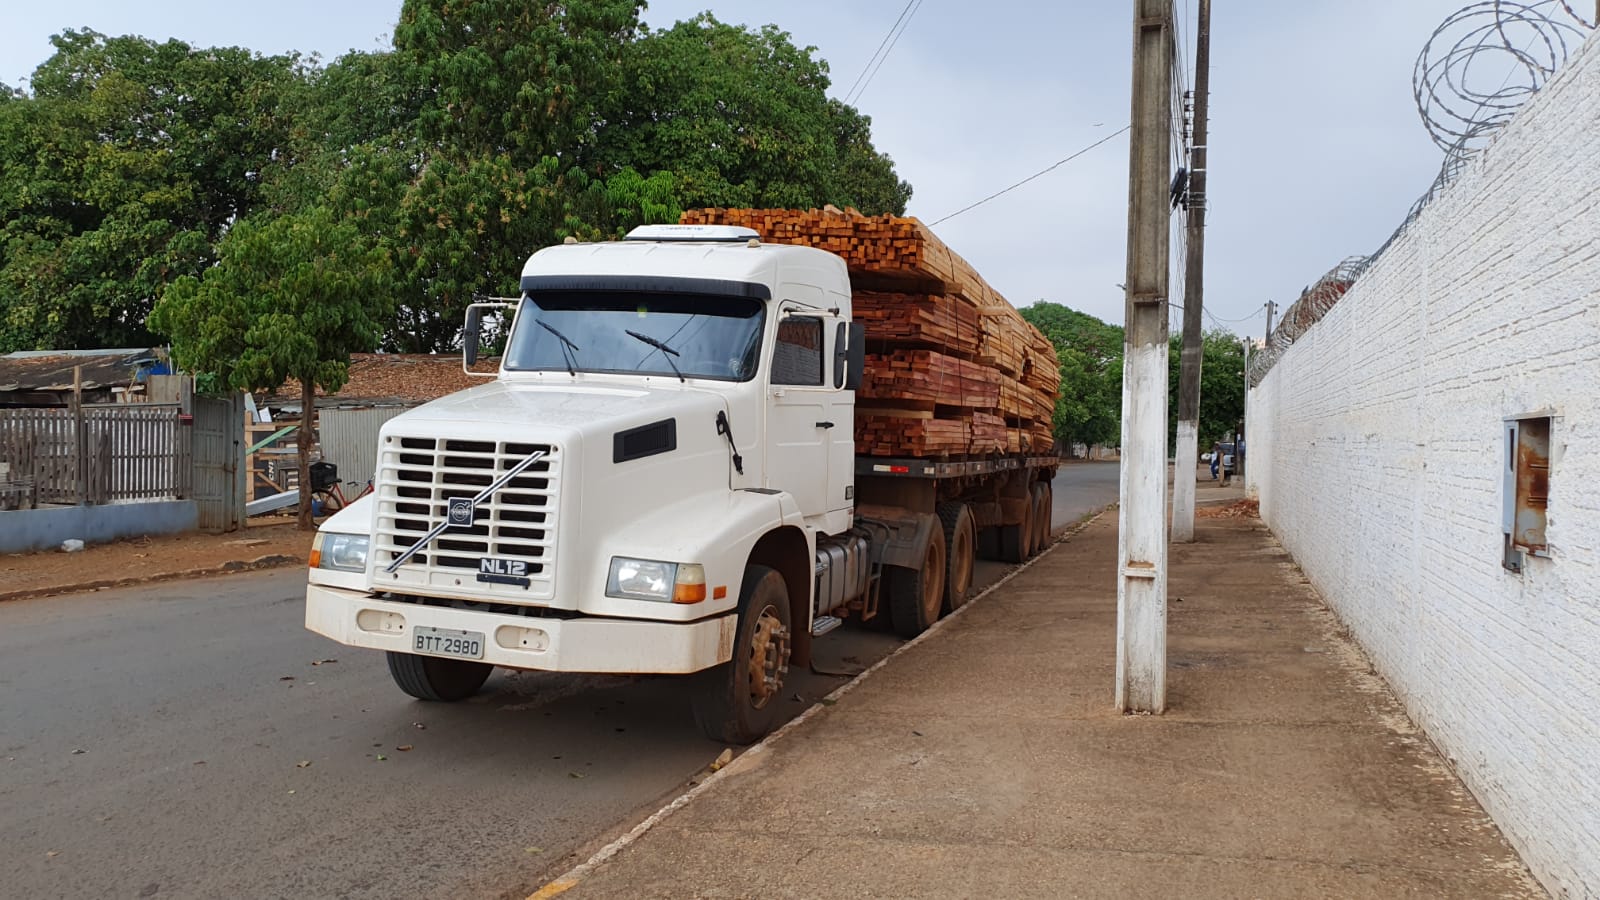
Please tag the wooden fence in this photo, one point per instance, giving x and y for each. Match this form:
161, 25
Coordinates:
100, 454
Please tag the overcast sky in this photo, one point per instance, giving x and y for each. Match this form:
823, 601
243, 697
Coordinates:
1316, 148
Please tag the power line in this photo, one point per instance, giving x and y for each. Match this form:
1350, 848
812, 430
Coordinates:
1044, 171
875, 53
906, 16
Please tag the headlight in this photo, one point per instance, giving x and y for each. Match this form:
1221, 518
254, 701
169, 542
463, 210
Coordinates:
641, 579
341, 552
644, 579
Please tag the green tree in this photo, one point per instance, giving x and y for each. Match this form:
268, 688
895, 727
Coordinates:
1221, 386
291, 297
742, 118
1089, 410
121, 167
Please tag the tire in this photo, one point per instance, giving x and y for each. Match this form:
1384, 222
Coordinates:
730, 703
1016, 542
960, 542
1041, 520
435, 678
916, 596
1049, 514
989, 543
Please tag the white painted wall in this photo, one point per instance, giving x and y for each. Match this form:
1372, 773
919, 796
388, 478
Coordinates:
1376, 445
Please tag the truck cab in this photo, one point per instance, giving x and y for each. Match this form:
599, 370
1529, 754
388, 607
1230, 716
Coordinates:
660, 478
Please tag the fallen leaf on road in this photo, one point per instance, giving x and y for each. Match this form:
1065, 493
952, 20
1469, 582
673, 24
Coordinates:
917, 733
303, 764
199, 762
403, 748
576, 775
323, 662
534, 849
419, 726
381, 757
52, 854
722, 759
78, 751
285, 677
291, 792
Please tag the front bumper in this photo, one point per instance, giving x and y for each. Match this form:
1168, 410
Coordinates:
613, 646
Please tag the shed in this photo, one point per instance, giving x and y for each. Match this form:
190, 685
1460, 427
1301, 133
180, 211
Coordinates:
44, 378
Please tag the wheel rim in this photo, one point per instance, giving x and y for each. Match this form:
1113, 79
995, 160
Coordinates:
769, 657
933, 582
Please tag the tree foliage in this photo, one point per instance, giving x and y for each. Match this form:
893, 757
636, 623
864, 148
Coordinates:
490, 128
290, 297
1221, 386
1089, 410
120, 169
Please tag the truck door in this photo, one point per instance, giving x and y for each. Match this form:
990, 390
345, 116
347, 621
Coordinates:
800, 426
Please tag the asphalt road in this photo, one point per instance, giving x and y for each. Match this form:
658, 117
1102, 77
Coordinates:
191, 739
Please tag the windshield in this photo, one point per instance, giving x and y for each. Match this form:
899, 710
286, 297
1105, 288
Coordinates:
697, 335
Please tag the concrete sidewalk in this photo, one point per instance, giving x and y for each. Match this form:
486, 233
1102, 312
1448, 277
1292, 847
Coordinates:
986, 761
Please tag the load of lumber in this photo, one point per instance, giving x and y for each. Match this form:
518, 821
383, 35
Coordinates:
952, 369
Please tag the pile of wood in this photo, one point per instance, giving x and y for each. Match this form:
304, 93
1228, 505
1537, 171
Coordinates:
952, 369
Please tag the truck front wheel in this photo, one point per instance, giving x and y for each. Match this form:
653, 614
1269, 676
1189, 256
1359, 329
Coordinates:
738, 701
436, 678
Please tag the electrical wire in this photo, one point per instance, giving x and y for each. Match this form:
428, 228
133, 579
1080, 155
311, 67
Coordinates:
863, 89
866, 68
1045, 171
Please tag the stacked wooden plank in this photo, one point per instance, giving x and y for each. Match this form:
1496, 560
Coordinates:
952, 369
920, 320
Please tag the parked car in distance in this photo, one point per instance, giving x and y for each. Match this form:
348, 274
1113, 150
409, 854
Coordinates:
1227, 459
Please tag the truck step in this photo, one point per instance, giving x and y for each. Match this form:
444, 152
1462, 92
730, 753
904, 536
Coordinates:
821, 625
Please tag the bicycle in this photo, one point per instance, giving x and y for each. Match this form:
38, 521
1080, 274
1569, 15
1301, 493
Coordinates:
327, 491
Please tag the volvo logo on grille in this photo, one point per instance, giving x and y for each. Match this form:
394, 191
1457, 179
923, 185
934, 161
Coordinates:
460, 515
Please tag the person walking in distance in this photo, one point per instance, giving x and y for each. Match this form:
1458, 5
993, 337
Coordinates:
1216, 459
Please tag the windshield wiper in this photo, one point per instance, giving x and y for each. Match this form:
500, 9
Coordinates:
569, 350
667, 353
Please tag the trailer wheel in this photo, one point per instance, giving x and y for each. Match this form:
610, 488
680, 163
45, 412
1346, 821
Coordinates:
1014, 539
917, 595
1041, 520
738, 701
436, 678
960, 541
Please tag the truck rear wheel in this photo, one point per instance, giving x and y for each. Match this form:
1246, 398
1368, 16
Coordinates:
1041, 520
738, 701
917, 595
436, 678
1014, 539
960, 540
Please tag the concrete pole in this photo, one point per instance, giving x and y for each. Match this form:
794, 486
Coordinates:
1186, 455
1271, 308
1142, 534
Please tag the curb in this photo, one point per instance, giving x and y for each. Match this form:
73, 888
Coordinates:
272, 561
573, 876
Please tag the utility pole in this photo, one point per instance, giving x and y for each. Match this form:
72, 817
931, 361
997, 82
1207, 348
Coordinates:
1187, 453
1271, 308
1142, 520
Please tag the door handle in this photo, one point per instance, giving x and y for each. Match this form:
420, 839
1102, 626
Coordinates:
824, 424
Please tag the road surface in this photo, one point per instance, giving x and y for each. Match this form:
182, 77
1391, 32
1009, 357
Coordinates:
191, 739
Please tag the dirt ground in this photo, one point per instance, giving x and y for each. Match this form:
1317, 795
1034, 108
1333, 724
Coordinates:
267, 542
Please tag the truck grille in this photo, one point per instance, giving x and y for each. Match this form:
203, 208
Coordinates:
517, 523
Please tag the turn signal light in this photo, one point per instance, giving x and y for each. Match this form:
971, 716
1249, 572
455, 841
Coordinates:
690, 584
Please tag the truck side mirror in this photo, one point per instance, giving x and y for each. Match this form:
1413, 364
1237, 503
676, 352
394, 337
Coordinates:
855, 359
471, 334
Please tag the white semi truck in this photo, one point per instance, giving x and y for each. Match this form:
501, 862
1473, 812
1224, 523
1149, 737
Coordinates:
661, 478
